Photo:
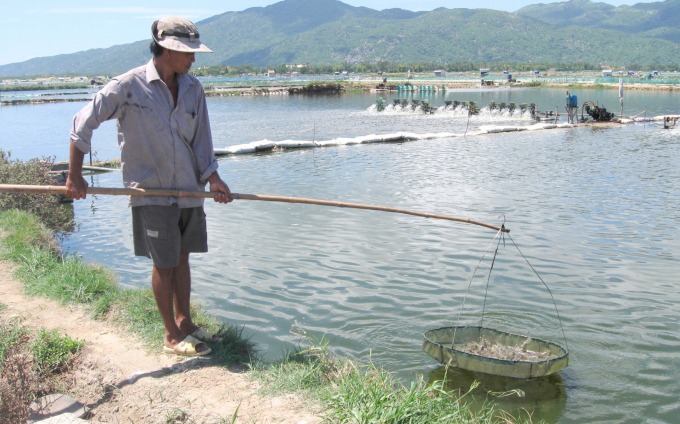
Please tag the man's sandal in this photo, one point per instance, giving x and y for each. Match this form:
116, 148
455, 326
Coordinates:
187, 347
205, 336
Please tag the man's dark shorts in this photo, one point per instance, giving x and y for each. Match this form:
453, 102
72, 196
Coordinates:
162, 232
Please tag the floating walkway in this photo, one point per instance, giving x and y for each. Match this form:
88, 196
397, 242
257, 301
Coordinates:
399, 137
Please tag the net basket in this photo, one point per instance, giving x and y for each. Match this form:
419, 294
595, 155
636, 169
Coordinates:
440, 345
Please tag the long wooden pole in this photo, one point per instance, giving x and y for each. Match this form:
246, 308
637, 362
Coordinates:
15, 188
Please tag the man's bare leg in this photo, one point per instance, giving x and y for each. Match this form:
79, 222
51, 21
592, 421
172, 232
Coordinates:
181, 285
165, 294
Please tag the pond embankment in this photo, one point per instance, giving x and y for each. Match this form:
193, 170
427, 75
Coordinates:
122, 375
311, 88
279, 89
42, 100
120, 380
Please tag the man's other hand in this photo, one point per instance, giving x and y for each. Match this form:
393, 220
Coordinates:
217, 185
76, 187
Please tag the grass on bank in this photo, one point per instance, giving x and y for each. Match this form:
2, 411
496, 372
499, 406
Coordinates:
347, 392
366, 394
45, 272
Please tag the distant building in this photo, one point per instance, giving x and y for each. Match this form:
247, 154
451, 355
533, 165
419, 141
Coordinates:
440, 73
294, 74
483, 72
271, 73
606, 72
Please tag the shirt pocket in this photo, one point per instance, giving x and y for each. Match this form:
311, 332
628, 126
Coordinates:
187, 126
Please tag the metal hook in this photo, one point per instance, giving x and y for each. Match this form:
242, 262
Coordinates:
503, 229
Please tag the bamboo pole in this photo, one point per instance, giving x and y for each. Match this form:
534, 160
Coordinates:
15, 188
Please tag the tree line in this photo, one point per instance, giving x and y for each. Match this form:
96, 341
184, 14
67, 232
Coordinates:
396, 67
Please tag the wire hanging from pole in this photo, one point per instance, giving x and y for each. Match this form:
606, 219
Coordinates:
559, 318
493, 261
470, 284
547, 288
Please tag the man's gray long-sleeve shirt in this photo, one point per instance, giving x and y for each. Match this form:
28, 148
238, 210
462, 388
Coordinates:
162, 146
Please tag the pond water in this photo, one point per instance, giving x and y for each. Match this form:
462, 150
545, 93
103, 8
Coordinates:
595, 211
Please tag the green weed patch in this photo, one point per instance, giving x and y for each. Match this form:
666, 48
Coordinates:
52, 352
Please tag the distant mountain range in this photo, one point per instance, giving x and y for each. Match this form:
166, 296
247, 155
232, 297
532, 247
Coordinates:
657, 20
331, 32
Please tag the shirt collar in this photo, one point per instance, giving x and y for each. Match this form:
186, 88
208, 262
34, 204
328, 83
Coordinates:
152, 74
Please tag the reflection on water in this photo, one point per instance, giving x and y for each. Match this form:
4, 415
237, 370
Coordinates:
545, 397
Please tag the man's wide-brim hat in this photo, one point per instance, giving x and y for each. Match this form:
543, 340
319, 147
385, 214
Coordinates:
178, 34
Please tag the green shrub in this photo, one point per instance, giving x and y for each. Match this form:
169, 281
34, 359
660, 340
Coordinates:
52, 352
322, 87
56, 216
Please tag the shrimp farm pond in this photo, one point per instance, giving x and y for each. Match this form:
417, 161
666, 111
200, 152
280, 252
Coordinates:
595, 211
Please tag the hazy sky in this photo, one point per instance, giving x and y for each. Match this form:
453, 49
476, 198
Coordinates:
37, 28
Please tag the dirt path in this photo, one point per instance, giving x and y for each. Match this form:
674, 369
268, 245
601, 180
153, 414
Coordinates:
124, 383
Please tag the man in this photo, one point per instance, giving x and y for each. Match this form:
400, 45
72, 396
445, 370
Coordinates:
165, 141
